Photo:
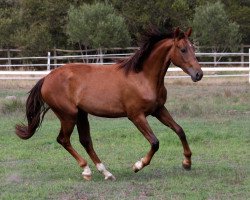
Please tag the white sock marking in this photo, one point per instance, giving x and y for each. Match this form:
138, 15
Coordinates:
86, 171
101, 168
139, 164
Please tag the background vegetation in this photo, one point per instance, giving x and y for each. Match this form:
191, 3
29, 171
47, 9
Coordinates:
36, 26
97, 26
215, 116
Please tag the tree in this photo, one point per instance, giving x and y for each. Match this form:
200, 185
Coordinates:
140, 14
35, 26
213, 28
96, 26
43, 24
182, 12
34, 40
239, 11
9, 23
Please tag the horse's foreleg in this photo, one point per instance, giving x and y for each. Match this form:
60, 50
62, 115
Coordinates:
86, 141
64, 139
143, 126
163, 115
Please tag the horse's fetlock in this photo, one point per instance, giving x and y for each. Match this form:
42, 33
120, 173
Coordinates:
187, 155
155, 145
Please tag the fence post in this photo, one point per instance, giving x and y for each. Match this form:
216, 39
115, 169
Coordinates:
8, 55
249, 64
242, 56
9, 59
215, 59
55, 60
101, 55
48, 62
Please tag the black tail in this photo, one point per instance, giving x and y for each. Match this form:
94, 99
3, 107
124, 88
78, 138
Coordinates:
35, 111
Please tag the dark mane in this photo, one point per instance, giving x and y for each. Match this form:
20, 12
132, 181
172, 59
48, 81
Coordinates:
148, 40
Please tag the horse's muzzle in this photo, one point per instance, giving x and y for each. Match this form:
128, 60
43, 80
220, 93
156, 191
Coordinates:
197, 76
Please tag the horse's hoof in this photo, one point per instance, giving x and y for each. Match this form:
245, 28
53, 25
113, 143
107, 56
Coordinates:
86, 173
186, 165
111, 178
135, 169
137, 166
87, 177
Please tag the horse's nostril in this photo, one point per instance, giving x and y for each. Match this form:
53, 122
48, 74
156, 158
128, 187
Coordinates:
199, 76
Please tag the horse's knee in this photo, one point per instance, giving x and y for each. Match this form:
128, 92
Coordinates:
155, 145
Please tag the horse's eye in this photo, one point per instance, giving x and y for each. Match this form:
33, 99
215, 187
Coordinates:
183, 50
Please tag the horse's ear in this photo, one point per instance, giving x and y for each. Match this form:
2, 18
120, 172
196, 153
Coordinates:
189, 32
176, 32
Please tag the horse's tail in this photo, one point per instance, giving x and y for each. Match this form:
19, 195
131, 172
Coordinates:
35, 111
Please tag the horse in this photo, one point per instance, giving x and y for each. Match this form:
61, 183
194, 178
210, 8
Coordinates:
132, 88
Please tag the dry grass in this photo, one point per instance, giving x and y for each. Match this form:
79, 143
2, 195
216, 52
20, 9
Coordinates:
209, 81
16, 84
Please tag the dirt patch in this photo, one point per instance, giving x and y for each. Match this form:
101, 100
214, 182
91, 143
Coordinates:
14, 178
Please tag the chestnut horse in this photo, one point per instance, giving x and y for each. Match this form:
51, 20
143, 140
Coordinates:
133, 88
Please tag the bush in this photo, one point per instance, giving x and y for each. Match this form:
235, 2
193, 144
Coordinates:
213, 28
97, 26
11, 106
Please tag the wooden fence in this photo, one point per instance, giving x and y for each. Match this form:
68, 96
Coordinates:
232, 64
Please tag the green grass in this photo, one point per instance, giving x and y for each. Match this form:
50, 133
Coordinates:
216, 120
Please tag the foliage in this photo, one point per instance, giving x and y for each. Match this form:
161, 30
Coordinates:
35, 26
34, 40
45, 22
213, 28
9, 23
42, 25
183, 12
239, 11
96, 26
139, 15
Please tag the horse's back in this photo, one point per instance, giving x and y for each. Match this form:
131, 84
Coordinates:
92, 88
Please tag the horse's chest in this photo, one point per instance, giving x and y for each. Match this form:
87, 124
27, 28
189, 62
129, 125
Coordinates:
152, 100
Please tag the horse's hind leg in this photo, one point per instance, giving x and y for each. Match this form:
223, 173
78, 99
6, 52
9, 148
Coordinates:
86, 141
163, 115
63, 138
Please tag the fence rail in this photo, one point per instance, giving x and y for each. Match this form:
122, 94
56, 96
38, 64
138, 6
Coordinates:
48, 62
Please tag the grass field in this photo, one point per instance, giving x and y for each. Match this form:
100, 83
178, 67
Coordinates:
214, 114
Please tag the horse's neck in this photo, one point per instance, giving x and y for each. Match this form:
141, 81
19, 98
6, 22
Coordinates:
156, 66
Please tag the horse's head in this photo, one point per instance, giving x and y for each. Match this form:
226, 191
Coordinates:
183, 55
